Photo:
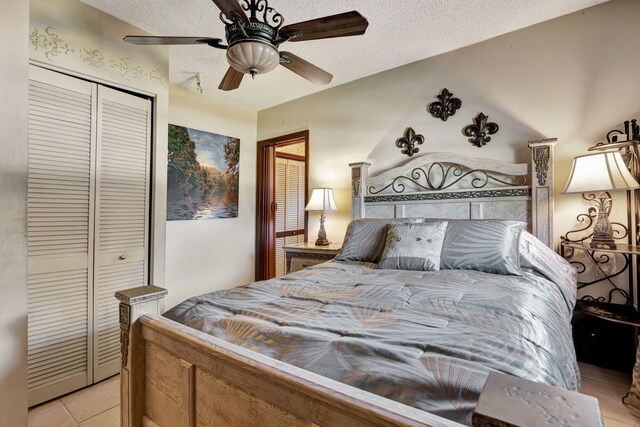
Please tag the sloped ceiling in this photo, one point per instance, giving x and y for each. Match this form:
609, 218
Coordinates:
400, 32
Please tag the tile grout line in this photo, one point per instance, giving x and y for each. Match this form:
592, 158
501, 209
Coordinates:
87, 419
100, 413
68, 412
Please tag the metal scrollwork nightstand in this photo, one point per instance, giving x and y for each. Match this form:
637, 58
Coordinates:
600, 306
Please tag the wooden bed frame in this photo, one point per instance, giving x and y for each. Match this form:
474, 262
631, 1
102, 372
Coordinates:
173, 375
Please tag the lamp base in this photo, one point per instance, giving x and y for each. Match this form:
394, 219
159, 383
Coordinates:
322, 235
602, 230
322, 242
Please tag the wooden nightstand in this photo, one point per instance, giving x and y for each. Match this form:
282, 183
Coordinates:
303, 255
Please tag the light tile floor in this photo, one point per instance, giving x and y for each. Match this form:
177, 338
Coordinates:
99, 405
609, 387
95, 406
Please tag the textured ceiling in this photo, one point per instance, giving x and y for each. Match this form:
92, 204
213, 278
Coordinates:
400, 32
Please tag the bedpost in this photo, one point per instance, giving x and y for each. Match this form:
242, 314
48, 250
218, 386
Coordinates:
359, 175
542, 157
133, 304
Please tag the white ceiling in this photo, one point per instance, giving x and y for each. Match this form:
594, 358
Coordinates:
400, 32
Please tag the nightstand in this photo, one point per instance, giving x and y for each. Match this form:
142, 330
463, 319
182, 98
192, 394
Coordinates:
604, 332
303, 255
598, 307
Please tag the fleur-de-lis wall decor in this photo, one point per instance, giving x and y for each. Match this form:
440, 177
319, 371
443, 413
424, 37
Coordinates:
480, 130
447, 106
409, 141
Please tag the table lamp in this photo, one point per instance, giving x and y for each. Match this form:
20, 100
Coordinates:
322, 201
600, 173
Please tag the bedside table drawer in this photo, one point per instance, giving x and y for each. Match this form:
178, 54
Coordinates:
298, 264
302, 255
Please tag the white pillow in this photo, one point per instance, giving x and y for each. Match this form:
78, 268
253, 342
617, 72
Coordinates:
413, 246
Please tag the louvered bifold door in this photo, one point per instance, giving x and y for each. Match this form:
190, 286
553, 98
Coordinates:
60, 220
281, 202
290, 199
295, 197
122, 215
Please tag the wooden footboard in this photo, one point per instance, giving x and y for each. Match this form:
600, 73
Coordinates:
173, 375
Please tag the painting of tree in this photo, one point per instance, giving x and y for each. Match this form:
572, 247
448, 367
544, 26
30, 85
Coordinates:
203, 175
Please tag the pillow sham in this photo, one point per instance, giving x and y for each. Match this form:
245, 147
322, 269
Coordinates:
413, 246
365, 238
491, 246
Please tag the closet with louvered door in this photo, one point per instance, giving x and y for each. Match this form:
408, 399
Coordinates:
122, 215
59, 233
82, 218
290, 203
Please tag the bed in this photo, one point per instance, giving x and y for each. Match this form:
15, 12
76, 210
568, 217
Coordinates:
345, 343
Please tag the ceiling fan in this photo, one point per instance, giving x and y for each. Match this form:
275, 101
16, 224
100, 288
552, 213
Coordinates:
253, 41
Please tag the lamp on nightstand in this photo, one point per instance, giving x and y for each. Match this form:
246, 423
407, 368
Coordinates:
600, 173
322, 201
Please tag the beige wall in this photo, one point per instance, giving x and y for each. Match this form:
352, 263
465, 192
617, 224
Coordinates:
14, 22
574, 78
207, 255
74, 38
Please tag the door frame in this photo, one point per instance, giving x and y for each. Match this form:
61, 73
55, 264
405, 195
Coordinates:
265, 199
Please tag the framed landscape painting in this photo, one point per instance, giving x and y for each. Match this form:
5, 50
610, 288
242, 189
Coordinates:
203, 174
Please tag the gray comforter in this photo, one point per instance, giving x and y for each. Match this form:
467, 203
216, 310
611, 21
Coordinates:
426, 339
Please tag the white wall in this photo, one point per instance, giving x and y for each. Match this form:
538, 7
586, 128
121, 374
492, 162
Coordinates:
207, 255
14, 24
574, 78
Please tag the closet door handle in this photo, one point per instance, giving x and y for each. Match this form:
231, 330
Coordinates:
122, 257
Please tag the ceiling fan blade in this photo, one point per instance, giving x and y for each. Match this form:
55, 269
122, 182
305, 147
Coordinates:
305, 69
341, 25
153, 40
229, 6
231, 80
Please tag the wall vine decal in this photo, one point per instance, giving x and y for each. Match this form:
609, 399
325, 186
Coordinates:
54, 46
127, 68
50, 42
92, 57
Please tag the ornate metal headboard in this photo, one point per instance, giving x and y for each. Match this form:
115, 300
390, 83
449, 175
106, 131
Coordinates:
443, 185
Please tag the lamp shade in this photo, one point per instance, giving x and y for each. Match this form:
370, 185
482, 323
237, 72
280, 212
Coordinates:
253, 57
322, 200
604, 171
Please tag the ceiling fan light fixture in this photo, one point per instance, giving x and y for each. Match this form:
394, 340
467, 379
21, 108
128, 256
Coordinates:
254, 32
252, 57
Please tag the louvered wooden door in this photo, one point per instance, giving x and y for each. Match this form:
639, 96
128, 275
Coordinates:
122, 215
75, 221
290, 202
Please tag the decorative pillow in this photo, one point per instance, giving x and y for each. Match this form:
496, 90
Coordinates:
365, 238
484, 245
413, 246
